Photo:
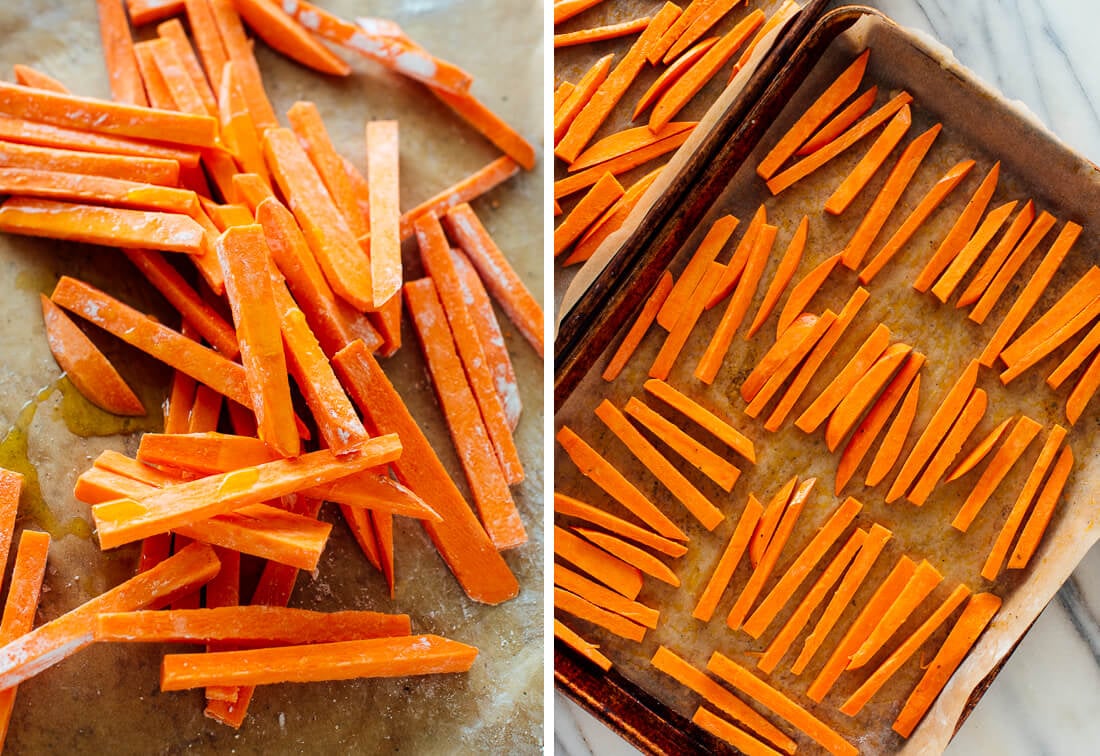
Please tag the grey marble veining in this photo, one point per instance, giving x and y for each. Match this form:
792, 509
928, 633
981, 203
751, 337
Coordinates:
1046, 700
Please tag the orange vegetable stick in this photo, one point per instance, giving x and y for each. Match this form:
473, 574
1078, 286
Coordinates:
496, 272
475, 450
797, 621
840, 123
435, 256
601, 196
790, 361
815, 160
632, 555
382, 175
11, 486
173, 30
47, 135
1035, 229
994, 563
863, 393
1085, 347
604, 598
147, 11
238, 130
685, 323
789, 340
992, 293
1017, 441
208, 40
570, 507
684, 673
87, 367
361, 527
91, 224
738, 738
305, 120
608, 569
738, 305
224, 216
963, 230
938, 426
804, 291
383, 529
736, 265
688, 495
671, 74
640, 326
849, 585
862, 627
1083, 392
22, 604
967, 421
875, 420
331, 319
118, 53
282, 33
921, 583
580, 645
612, 219
623, 142
128, 519
901, 654
711, 13
699, 456
801, 567
601, 33
735, 620
177, 80
244, 260
30, 77
330, 238
885, 202
842, 384
608, 94
149, 170
238, 50
825, 105
593, 466
566, 9
263, 531
561, 94
344, 660
769, 520
250, 189
586, 87
817, 357
468, 189
460, 539
892, 442
743, 680
256, 624
706, 253
784, 272
959, 267
573, 604
980, 451
695, 78
978, 612
727, 563
62, 637
1042, 512
105, 117
869, 164
1055, 327
619, 165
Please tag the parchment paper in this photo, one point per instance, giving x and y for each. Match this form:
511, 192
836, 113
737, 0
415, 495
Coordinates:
977, 124
107, 699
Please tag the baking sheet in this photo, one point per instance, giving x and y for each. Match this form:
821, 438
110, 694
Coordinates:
107, 698
1033, 165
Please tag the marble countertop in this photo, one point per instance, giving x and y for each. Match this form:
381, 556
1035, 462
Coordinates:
1047, 698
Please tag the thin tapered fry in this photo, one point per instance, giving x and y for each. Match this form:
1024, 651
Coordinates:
601, 196
736, 265
608, 569
903, 652
601, 33
959, 267
670, 75
921, 583
788, 342
32, 77
840, 123
863, 393
978, 612
680, 487
994, 563
586, 87
727, 563
933, 433
960, 232
640, 326
890, 448
991, 294
1014, 445
700, 457
570, 603
967, 421
931, 200
580, 645
150, 170
279, 31
849, 585
790, 361
712, 13
1025, 223
605, 598
1083, 392
769, 520
832, 395
1042, 512
566, 9
1085, 347
685, 322
173, 30
707, 251
632, 555
732, 734
825, 105
687, 675
784, 272
619, 165
612, 219
468, 189
570, 507
50, 184
869, 164
804, 291
593, 466
980, 451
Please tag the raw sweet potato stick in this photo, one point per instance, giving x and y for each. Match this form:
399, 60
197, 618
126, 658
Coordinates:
604, 598
732, 734
1083, 392
788, 342
968, 419
566, 9
863, 393
173, 30
619, 165
670, 75
608, 569
1085, 347
586, 87
1014, 445
959, 267
632, 555
570, 507
865, 169
769, 520
118, 53
711, 464
1042, 511
385, 220
784, 272
280, 32
991, 294
601, 33
685, 322
570, 603
601, 196
639, 327
840, 123
580, 645
31, 77
980, 451
921, 583
832, 395
792, 359
707, 252
727, 563
612, 220
22, 604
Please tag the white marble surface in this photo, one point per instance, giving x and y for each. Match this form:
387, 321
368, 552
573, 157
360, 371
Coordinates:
1047, 699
